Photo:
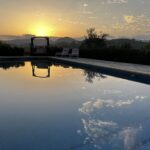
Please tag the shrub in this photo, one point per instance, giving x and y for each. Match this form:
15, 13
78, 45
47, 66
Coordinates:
118, 54
7, 50
94, 46
93, 40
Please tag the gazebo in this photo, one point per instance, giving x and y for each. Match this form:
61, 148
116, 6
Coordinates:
34, 49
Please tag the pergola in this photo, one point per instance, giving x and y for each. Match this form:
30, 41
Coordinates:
33, 46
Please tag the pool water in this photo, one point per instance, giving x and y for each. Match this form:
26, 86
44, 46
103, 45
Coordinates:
58, 107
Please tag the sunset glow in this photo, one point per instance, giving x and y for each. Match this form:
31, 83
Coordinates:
118, 18
41, 30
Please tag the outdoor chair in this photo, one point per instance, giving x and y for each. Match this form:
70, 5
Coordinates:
65, 52
74, 52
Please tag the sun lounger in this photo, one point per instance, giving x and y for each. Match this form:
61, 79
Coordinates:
74, 52
65, 52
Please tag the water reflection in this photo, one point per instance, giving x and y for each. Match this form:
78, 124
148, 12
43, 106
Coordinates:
90, 76
13, 64
103, 133
46, 65
41, 65
110, 114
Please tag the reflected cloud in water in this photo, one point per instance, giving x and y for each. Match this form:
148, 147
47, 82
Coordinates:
91, 106
106, 115
129, 137
103, 133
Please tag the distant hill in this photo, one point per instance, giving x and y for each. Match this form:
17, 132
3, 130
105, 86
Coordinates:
137, 44
24, 41
67, 42
19, 42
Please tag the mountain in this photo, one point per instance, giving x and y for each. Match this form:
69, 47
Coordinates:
143, 37
67, 42
25, 41
19, 42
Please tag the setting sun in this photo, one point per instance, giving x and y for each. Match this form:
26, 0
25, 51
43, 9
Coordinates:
42, 30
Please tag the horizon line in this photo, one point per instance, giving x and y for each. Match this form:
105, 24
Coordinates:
111, 37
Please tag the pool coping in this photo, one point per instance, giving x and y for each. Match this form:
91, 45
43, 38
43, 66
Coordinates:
118, 66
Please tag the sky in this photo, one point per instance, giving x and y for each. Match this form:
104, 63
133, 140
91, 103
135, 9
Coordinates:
118, 18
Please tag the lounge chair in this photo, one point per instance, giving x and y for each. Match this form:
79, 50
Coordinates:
65, 52
74, 52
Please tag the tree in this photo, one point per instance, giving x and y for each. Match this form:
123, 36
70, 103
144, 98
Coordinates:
147, 47
7, 50
126, 46
93, 40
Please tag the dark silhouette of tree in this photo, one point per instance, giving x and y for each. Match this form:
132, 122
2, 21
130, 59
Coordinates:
7, 50
126, 46
147, 47
93, 40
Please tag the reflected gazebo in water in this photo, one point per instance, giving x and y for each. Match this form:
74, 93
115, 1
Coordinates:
41, 65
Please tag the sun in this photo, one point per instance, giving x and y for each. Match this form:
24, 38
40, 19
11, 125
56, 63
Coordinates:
42, 30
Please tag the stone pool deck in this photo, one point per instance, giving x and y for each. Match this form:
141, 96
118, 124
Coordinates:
118, 66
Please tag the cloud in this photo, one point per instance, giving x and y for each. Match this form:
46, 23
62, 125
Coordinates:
87, 12
85, 5
129, 25
117, 1
129, 19
69, 21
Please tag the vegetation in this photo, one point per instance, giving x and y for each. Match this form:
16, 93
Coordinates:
90, 76
53, 49
12, 64
95, 46
93, 41
7, 50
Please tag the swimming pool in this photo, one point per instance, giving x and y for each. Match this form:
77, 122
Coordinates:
50, 106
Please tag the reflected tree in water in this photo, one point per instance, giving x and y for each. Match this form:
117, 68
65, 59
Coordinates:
90, 76
56, 64
8, 65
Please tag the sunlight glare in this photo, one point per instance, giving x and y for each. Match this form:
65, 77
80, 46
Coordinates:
42, 30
